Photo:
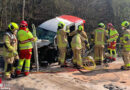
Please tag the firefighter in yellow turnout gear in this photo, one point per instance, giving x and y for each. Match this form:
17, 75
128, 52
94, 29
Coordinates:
62, 43
126, 45
10, 50
76, 45
99, 41
85, 43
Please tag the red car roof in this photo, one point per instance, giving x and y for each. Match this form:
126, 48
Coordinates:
71, 18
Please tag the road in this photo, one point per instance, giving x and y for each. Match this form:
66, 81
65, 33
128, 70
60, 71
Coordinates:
69, 79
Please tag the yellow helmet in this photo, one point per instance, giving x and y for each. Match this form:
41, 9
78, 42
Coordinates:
102, 25
13, 26
80, 28
125, 24
61, 24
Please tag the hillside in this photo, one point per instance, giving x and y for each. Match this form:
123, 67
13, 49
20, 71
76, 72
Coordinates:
93, 11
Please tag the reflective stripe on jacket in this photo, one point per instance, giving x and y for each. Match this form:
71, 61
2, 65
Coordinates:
126, 40
113, 35
112, 45
61, 38
76, 41
25, 35
99, 36
10, 45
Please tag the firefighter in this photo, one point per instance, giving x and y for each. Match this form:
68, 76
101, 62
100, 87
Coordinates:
99, 36
62, 43
112, 38
76, 45
85, 43
125, 41
10, 50
25, 39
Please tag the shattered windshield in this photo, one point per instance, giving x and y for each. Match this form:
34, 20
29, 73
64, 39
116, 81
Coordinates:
45, 34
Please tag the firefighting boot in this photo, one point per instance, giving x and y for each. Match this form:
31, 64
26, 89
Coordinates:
74, 62
110, 59
58, 60
18, 72
125, 68
98, 62
113, 59
106, 60
13, 73
79, 64
26, 73
7, 76
63, 65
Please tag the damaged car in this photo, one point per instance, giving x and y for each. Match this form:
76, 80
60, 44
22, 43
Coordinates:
46, 33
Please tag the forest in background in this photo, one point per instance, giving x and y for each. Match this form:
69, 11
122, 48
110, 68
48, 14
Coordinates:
93, 11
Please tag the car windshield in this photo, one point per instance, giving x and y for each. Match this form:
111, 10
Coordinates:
45, 34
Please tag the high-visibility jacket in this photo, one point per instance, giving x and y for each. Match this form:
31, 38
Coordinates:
61, 38
84, 35
25, 37
113, 35
126, 40
10, 45
76, 41
99, 36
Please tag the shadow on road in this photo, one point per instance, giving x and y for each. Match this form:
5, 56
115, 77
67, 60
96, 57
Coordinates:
95, 72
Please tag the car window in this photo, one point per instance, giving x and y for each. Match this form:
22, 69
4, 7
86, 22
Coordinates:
72, 28
45, 34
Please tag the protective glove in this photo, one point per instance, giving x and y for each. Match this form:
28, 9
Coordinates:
126, 39
67, 27
88, 46
15, 53
108, 41
67, 31
35, 39
92, 40
86, 42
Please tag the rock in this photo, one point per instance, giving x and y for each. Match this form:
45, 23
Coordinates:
113, 87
